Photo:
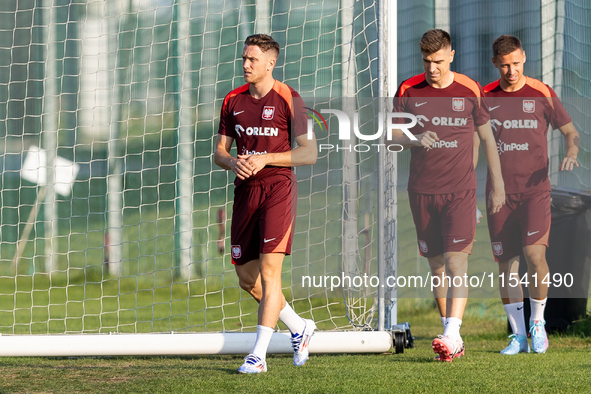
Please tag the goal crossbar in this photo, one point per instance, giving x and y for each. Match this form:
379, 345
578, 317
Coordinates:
185, 344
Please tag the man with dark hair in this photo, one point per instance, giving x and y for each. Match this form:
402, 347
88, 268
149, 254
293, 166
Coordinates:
505, 45
264, 42
442, 181
265, 116
435, 39
522, 108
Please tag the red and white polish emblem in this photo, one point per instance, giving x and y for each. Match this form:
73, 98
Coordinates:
497, 248
423, 246
268, 112
457, 104
236, 251
529, 106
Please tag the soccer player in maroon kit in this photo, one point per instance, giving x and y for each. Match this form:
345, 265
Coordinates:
264, 116
521, 109
442, 181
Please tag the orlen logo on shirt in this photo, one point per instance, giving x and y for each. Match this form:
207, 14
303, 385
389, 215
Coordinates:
258, 131
442, 121
444, 144
504, 147
515, 124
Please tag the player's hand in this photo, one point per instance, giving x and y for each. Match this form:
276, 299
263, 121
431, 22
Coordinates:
496, 200
256, 162
569, 163
426, 139
241, 168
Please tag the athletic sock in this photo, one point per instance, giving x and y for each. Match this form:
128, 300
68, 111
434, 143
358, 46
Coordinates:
516, 317
292, 320
537, 309
452, 327
261, 344
442, 321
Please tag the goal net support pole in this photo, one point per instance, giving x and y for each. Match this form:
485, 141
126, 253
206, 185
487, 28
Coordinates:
387, 170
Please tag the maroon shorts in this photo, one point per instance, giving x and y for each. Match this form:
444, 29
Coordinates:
524, 220
263, 219
444, 222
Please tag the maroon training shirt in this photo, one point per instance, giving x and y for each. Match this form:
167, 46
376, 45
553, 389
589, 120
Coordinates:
453, 113
520, 124
265, 125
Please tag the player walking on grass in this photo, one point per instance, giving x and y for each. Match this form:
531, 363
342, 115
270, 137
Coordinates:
442, 182
521, 109
264, 116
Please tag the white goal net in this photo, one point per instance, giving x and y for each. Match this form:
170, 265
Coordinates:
114, 218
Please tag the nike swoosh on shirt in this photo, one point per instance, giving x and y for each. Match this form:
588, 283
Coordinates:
419, 104
519, 308
268, 240
535, 232
493, 108
458, 240
237, 113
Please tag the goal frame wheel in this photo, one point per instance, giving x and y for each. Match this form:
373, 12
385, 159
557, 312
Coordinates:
399, 342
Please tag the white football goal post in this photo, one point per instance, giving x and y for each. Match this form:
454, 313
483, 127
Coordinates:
114, 223
114, 220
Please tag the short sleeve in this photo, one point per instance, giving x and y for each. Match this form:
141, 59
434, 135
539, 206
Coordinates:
398, 103
559, 117
226, 124
299, 120
480, 114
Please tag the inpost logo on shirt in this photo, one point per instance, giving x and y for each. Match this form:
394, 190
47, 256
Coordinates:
444, 144
504, 147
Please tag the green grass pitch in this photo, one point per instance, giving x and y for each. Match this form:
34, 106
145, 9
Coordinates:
564, 368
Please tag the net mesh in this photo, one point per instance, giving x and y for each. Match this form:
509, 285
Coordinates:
129, 93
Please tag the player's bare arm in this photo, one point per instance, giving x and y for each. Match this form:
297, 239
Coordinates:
222, 158
571, 142
476, 148
496, 199
425, 139
305, 153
